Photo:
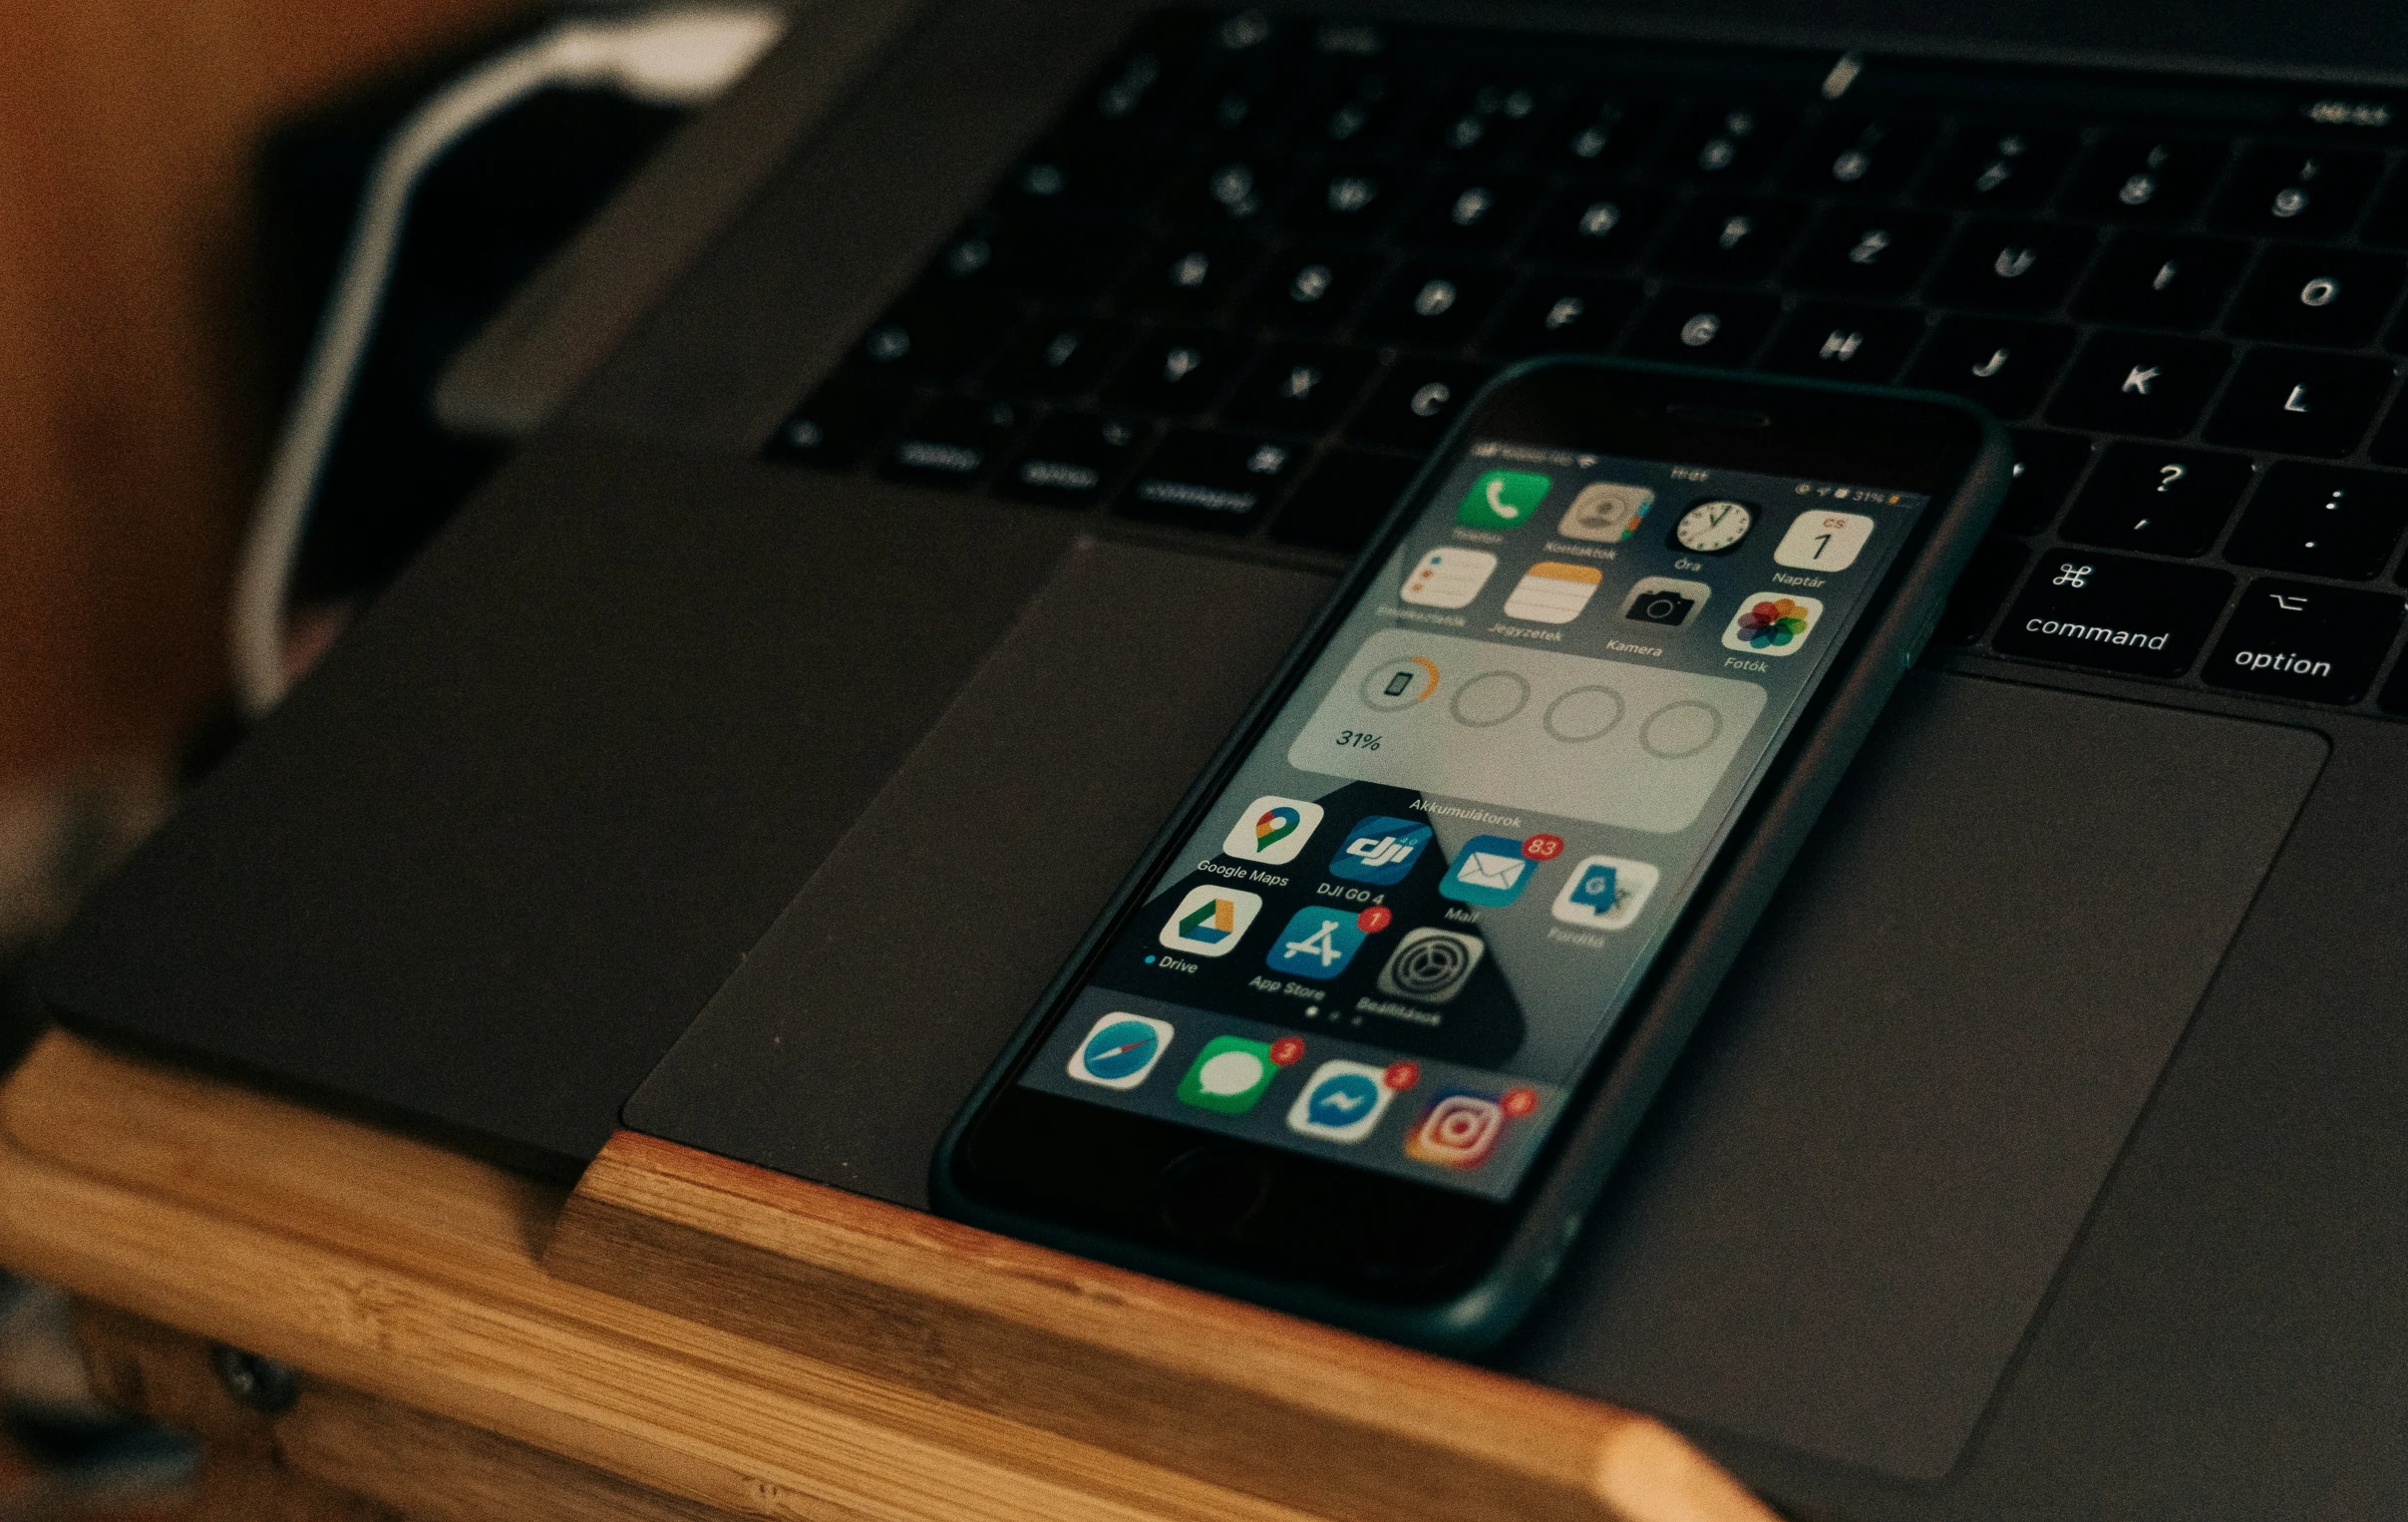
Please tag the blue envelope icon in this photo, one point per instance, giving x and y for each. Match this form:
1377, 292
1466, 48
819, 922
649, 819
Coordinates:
1489, 869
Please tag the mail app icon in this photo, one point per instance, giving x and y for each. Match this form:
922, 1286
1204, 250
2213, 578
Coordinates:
1489, 869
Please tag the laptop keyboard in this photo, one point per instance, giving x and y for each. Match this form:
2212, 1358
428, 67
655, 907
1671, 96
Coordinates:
1259, 267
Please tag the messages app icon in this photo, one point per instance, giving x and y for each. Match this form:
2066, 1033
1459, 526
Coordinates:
1273, 830
1502, 499
1490, 870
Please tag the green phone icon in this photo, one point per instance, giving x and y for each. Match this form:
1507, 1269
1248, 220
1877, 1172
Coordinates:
1502, 499
1228, 1076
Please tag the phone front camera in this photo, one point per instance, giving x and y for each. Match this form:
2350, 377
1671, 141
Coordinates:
1663, 608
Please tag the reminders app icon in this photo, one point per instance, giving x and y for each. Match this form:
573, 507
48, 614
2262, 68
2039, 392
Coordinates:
1209, 922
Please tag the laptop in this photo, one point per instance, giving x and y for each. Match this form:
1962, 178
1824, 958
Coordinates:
749, 754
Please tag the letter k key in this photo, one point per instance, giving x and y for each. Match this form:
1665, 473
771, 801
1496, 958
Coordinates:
2132, 383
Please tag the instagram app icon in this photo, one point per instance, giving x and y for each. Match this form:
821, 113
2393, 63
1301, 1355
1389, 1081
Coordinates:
1458, 1131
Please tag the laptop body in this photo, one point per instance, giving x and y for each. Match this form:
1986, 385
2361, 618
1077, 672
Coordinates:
2040, 1156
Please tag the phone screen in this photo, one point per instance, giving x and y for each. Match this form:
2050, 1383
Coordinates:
1411, 917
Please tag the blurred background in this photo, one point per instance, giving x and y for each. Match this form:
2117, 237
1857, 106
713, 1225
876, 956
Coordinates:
216, 362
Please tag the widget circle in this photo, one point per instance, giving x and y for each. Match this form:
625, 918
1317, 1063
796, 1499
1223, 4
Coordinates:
1491, 699
1679, 730
1584, 714
1400, 683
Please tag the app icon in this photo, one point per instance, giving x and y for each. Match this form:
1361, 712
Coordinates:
1606, 892
1553, 591
1342, 1102
1318, 944
1273, 830
1431, 965
1502, 499
1459, 1130
1490, 870
1607, 512
1449, 578
1772, 623
1211, 921
1381, 850
1713, 526
1823, 541
1665, 599
1120, 1050
1228, 1076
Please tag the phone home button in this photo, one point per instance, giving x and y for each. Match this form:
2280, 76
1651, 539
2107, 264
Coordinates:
1205, 1194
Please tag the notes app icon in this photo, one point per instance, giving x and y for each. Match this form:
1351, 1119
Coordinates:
1553, 591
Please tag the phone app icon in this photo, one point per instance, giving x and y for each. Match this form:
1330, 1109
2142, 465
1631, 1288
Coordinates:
1273, 830
1606, 892
1667, 601
1459, 1130
1431, 965
1502, 499
1552, 592
1448, 576
1772, 623
1823, 541
1228, 1076
1605, 512
1120, 1050
1211, 921
1318, 944
1490, 870
1380, 850
1342, 1102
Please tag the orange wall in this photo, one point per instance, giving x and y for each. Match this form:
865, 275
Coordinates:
132, 423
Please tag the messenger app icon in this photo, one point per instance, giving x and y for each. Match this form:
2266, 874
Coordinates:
1490, 870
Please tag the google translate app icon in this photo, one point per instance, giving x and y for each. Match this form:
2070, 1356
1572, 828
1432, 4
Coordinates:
1273, 830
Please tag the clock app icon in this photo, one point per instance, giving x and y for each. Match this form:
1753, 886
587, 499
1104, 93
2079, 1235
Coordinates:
1713, 526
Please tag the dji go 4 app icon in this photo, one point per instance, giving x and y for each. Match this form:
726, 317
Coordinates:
1120, 1050
1209, 922
1273, 830
1380, 850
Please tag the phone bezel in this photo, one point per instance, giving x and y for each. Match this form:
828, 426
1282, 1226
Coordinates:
1893, 439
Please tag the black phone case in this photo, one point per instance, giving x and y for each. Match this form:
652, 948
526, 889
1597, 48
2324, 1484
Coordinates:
1614, 1094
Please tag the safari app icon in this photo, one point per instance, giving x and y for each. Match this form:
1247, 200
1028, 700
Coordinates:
1273, 830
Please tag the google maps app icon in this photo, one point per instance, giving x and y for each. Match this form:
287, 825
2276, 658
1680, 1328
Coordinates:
1272, 829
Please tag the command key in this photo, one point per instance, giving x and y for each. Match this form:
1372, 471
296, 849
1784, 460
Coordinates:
2141, 616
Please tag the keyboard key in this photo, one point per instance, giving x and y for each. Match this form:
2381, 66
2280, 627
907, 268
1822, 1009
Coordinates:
1471, 213
2391, 444
1312, 290
952, 440
2137, 384
1054, 261
1220, 482
1071, 459
1704, 327
1974, 603
1730, 144
1177, 373
1433, 306
1730, 239
1116, 179
1190, 278
1350, 201
1862, 156
1487, 121
2159, 499
2009, 168
2294, 639
2319, 521
1344, 499
1231, 194
1860, 255
2317, 295
2301, 402
836, 425
1563, 315
1610, 134
2152, 281
2006, 366
1417, 403
1139, 91
2046, 466
1603, 226
1842, 342
2303, 193
1356, 110
1299, 388
2142, 178
2387, 226
937, 338
2141, 616
2003, 266
1060, 356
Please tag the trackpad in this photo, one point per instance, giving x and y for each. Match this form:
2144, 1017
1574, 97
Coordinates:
1843, 1215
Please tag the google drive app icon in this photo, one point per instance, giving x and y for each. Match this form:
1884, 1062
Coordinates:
1211, 921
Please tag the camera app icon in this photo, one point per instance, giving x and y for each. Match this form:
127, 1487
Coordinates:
1665, 599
